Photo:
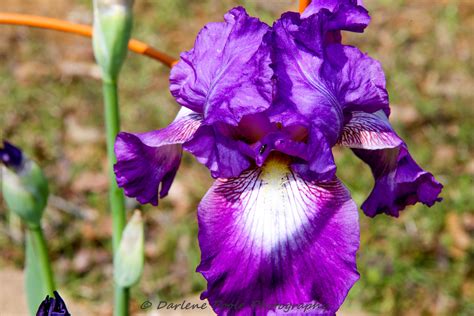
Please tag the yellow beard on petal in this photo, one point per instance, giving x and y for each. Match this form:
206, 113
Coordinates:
276, 165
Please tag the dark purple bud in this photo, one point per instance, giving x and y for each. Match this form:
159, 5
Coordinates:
11, 156
53, 306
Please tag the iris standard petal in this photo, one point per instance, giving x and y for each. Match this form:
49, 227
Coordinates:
399, 181
297, 67
227, 74
270, 239
357, 80
320, 80
348, 15
368, 131
147, 161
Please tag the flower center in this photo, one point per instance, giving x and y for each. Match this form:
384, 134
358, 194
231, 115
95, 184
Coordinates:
264, 137
254, 127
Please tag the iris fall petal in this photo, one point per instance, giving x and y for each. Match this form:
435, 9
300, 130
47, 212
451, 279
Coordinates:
147, 161
399, 181
270, 238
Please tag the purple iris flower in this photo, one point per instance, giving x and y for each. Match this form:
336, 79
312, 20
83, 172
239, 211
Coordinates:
53, 306
262, 108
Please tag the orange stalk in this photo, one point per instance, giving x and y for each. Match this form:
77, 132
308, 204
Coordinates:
83, 30
304, 4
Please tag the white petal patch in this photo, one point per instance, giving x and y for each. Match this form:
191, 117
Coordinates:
369, 131
277, 206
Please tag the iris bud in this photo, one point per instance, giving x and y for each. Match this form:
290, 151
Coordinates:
24, 185
129, 258
53, 307
111, 33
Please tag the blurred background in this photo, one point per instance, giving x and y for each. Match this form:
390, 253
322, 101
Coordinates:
51, 105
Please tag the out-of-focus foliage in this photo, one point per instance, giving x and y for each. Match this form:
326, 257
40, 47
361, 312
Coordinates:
419, 264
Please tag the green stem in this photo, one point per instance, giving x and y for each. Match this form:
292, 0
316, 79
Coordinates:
112, 126
35, 234
116, 198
